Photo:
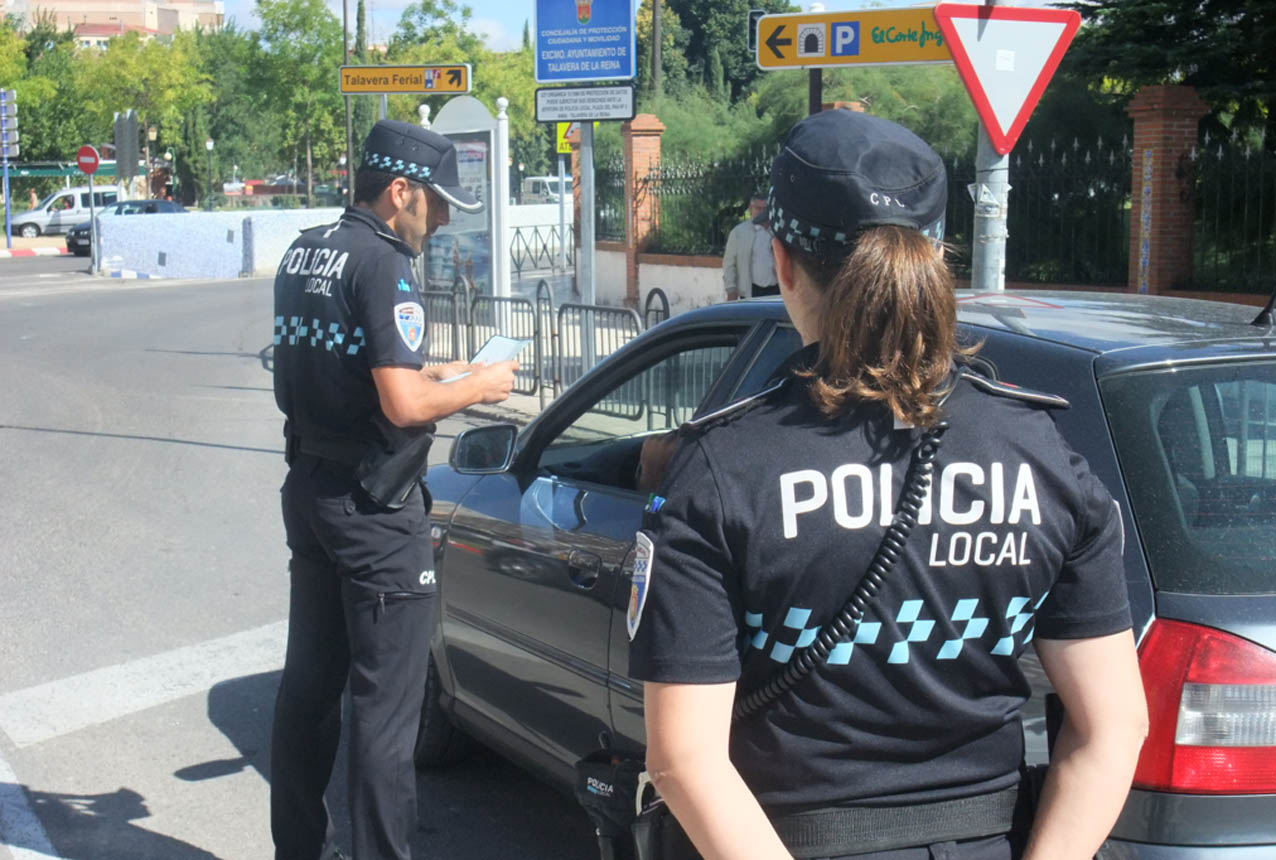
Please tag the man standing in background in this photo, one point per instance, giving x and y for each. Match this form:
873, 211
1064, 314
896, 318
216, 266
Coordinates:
738, 258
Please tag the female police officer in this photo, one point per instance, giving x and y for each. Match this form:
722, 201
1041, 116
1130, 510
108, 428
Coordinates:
906, 740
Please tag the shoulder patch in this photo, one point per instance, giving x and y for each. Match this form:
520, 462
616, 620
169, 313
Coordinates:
732, 410
410, 318
640, 585
1006, 389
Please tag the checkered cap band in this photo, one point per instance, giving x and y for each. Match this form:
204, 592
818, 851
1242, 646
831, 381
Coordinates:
390, 164
821, 239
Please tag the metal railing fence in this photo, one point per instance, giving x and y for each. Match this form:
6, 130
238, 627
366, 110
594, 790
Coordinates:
610, 213
1234, 241
511, 316
538, 247
698, 202
1068, 215
586, 335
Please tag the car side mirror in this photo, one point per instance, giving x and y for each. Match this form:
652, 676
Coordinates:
484, 450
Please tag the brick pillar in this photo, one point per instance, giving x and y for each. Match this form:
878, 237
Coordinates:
1162, 192
641, 136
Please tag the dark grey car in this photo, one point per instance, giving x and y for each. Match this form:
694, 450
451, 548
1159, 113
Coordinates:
1173, 404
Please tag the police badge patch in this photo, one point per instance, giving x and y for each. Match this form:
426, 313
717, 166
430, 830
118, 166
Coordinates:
410, 318
641, 582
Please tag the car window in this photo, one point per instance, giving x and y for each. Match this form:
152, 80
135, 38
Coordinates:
1197, 448
780, 344
602, 444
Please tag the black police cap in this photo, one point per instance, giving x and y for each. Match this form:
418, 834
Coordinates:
842, 171
418, 154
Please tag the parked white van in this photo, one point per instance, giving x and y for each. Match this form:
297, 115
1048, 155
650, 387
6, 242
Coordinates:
60, 211
542, 189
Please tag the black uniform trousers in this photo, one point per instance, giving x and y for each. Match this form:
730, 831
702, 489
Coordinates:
362, 610
988, 848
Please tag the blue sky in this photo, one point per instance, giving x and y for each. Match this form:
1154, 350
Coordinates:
501, 21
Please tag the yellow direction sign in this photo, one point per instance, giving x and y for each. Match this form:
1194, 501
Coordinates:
874, 37
359, 80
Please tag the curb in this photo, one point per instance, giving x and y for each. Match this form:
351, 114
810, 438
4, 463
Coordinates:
497, 415
32, 252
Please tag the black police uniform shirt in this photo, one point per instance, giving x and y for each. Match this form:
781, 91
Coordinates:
767, 520
346, 301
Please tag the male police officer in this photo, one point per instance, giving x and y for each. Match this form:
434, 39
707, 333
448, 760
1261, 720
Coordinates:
360, 404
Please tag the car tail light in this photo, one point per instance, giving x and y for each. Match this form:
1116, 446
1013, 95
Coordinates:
1212, 704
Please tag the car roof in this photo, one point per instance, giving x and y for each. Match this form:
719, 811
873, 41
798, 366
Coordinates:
1123, 330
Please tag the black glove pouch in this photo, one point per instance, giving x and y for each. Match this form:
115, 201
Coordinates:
388, 477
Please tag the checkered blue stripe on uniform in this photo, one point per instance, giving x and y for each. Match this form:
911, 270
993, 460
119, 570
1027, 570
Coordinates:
390, 164
1018, 619
299, 332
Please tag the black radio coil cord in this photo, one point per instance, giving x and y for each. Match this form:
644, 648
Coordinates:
916, 483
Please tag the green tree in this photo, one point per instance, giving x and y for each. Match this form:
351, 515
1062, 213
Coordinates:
238, 119
160, 81
723, 24
674, 40
436, 21
363, 108
1224, 48
302, 40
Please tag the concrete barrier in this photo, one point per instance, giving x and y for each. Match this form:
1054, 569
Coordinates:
204, 244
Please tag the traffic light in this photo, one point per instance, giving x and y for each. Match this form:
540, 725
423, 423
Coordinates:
126, 145
8, 124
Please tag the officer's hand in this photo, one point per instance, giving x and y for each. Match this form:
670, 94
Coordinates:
446, 371
494, 381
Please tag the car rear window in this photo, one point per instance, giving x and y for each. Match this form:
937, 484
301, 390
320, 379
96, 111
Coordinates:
1197, 447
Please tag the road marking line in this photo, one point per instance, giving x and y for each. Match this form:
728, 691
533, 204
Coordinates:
20, 829
57, 708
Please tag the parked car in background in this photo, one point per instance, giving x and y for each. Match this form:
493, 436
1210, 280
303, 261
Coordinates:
60, 211
78, 238
1173, 402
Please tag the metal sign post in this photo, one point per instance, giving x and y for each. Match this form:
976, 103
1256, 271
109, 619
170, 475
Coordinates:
585, 254
87, 159
1005, 56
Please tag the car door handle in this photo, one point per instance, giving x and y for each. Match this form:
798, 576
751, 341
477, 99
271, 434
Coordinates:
583, 567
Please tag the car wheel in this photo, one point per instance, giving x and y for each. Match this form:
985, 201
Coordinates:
438, 741
29, 231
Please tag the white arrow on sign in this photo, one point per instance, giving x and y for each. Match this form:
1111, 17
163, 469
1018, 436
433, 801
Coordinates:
1006, 55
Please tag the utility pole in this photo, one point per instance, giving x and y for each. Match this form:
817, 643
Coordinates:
991, 193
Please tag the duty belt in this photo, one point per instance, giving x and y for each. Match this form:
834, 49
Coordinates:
841, 830
346, 453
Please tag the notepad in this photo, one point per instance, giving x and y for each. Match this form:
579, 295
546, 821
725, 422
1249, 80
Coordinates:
498, 348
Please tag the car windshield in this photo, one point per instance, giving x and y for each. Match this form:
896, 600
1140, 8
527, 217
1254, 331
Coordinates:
1197, 447
46, 201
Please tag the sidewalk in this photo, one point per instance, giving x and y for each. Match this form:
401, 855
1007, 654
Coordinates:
519, 409
40, 246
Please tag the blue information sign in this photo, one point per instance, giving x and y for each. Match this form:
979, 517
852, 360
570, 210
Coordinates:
584, 40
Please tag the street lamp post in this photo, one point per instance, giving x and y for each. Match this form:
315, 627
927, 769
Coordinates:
172, 171
151, 134
208, 144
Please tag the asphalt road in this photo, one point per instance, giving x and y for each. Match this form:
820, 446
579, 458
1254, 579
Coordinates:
144, 589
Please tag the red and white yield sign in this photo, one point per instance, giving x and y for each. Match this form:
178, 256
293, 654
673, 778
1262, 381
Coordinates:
87, 159
1005, 55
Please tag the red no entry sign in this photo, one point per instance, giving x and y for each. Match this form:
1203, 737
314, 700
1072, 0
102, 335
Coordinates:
87, 159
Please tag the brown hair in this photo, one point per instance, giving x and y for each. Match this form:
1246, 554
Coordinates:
887, 325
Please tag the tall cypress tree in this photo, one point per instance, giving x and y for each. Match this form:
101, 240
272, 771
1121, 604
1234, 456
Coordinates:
364, 106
